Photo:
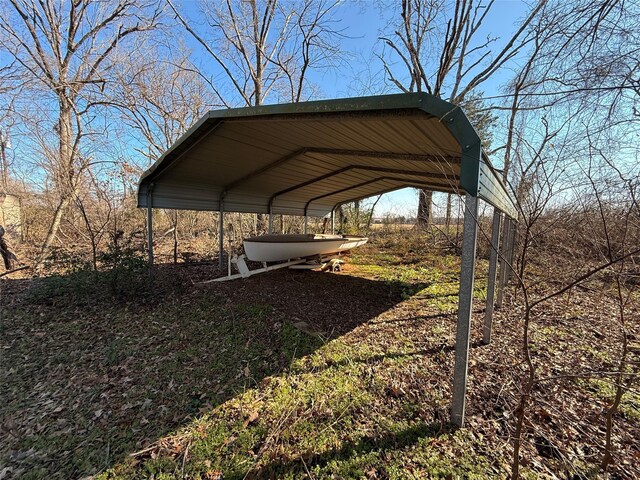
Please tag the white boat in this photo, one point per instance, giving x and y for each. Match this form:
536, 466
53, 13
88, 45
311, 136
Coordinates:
276, 248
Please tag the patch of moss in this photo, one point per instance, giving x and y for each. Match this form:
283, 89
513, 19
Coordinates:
606, 390
445, 456
602, 355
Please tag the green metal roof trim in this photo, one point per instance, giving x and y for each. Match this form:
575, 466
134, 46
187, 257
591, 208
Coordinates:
477, 177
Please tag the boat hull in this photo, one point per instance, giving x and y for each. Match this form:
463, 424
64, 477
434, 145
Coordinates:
276, 248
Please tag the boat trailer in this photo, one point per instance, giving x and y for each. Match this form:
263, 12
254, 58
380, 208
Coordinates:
324, 263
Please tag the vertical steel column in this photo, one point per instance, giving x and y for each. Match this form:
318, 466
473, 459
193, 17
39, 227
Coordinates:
150, 228
504, 261
465, 303
493, 269
512, 246
221, 236
306, 223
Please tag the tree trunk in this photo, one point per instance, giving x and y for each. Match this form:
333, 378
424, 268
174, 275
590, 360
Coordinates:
424, 208
53, 229
341, 219
448, 215
607, 459
4, 166
373, 207
356, 215
8, 257
65, 175
324, 224
525, 393
262, 223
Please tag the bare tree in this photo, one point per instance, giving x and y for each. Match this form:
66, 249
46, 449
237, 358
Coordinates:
545, 179
579, 61
68, 49
440, 52
616, 216
10, 90
160, 97
96, 208
567, 103
266, 47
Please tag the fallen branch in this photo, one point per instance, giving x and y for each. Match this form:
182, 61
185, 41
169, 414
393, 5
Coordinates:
14, 270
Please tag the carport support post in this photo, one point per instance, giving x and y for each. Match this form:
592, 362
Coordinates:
465, 303
150, 231
333, 222
512, 247
504, 267
493, 268
221, 237
150, 224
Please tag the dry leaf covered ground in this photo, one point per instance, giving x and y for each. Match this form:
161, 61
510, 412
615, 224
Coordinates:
298, 375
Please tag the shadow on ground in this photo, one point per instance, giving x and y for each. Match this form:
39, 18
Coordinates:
98, 366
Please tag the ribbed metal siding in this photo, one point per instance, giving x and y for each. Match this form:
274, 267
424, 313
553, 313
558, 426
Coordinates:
491, 190
239, 148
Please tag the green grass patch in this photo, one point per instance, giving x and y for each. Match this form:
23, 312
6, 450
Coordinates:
606, 390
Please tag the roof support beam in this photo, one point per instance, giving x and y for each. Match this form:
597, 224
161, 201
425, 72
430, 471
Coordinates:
504, 262
389, 190
363, 184
221, 236
411, 157
367, 168
511, 251
269, 166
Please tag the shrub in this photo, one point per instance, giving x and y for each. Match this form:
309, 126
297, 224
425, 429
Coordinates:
123, 276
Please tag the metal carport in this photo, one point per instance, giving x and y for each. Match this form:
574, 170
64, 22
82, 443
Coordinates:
308, 158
